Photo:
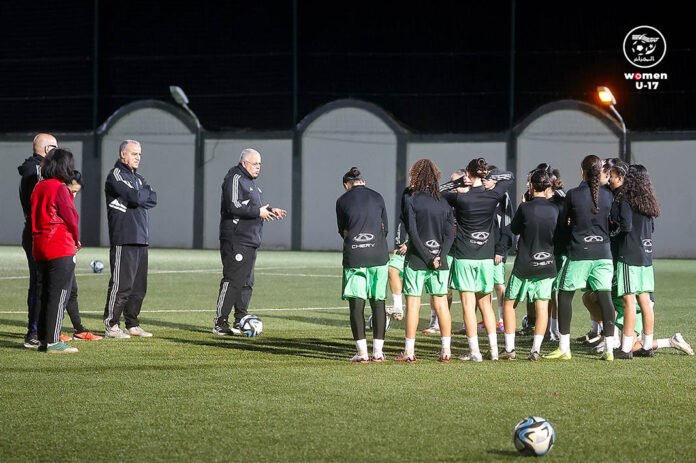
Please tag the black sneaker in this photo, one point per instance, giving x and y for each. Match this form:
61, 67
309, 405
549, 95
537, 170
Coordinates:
31, 342
587, 337
236, 329
222, 329
621, 355
644, 353
592, 340
527, 331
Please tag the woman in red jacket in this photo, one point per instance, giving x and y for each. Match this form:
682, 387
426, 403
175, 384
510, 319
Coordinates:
55, 240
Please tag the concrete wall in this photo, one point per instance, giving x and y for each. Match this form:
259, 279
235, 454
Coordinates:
275, 182
671, 165
167, 164
13, 154
331, 145
562, 138
452, 156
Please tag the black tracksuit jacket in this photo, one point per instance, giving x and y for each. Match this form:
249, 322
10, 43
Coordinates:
430, 226
588, 232
30, 171
536, 222
240, 202
634, 244
362, 223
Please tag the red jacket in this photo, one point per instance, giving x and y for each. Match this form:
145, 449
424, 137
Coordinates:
54, 221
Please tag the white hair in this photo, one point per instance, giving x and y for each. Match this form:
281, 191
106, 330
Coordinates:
246, 153
124, 143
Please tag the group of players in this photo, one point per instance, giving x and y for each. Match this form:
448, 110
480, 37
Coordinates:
596, 237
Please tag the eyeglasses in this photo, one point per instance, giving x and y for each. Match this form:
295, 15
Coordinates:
254, 164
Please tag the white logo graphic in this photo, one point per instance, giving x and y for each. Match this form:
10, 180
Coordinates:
363, 237
644, 46
238, 257
432, 244
541, 256
648, 245
480, 235
593, 239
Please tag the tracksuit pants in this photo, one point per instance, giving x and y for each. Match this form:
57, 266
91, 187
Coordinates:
56, 277
127, 286
237, 280
72, 308
34, 289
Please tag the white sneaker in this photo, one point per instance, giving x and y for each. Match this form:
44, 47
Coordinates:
137, 331
395, 312
677, 341
357, 358
471, 357
431, 330
115, 332
599, 348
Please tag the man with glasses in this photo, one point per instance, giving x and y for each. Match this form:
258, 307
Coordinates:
30, 171
242, 214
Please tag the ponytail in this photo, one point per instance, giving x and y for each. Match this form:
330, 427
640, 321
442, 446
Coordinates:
592, 166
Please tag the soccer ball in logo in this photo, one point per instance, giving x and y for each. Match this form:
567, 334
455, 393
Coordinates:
386, 328
97, 266
251, 326
534, 436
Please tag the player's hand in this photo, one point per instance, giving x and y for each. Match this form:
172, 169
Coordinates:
402, 249
279, 213
436, 263
488, 184
78, 247
266, 214
498, 259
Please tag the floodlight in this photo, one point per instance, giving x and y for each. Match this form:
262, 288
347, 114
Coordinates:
178, 95
605, 96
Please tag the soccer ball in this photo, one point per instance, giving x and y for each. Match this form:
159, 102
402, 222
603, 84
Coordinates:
97, 266
251, 325
534, 436
386, 328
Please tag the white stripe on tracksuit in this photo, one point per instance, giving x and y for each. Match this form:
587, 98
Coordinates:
114, 288
221, 299
61, 314
235, 190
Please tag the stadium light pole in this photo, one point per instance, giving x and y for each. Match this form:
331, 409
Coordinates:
607, 99
180, 97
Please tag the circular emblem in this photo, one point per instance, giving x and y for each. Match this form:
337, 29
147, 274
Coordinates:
647, 242
238, 257
541, 256
644, 46
364, 237
593, 239
480, 235
432, 244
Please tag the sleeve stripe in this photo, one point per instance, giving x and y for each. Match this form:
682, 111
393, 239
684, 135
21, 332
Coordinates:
235, 191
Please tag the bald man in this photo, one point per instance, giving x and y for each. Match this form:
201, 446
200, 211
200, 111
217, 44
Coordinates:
30, 171
242, 214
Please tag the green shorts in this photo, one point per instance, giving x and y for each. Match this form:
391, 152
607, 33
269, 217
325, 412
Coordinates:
397, 262
633, 279
618, 306
475, 276
365, 282
499, 273
560, 263
434, 281
581, 274
535, 289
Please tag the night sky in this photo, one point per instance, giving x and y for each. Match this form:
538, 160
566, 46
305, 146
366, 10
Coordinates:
437, 67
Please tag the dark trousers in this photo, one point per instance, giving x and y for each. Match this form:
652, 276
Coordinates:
237, 280
72, 308
127, 286
34, 289
56, 280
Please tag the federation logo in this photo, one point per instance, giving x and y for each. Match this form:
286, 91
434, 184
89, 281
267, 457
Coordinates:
541, 256
644, 46
593, 239
364, 237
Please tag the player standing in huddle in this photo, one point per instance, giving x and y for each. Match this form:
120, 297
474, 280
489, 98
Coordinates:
473, 264
535, 269
396, 267
589, 263
362, 223
635, 208
430, 224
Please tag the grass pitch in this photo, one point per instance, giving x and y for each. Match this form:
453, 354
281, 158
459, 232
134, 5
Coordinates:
292, 395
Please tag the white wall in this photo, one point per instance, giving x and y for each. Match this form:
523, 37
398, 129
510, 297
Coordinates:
331, 145
167, 163
452, 156
562, 138
275, 182
13, 155
671, 165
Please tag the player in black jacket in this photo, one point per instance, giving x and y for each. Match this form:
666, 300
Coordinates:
474, 250
128, 200
30, 171
396, 267
589, 264
362, 223
535, 269
430, 224
242, 214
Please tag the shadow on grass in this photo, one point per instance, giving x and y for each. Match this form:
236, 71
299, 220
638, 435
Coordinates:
505, 453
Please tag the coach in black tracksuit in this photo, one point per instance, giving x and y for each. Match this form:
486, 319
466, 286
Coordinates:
128, 199
242, 214
30, 171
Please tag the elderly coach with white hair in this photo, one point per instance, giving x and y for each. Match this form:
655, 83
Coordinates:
128, 199
242, 213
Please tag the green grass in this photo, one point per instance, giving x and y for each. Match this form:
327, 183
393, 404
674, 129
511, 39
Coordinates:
291, 394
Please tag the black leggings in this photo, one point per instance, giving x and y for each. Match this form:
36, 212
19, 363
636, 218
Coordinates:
565, 311
357, 318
